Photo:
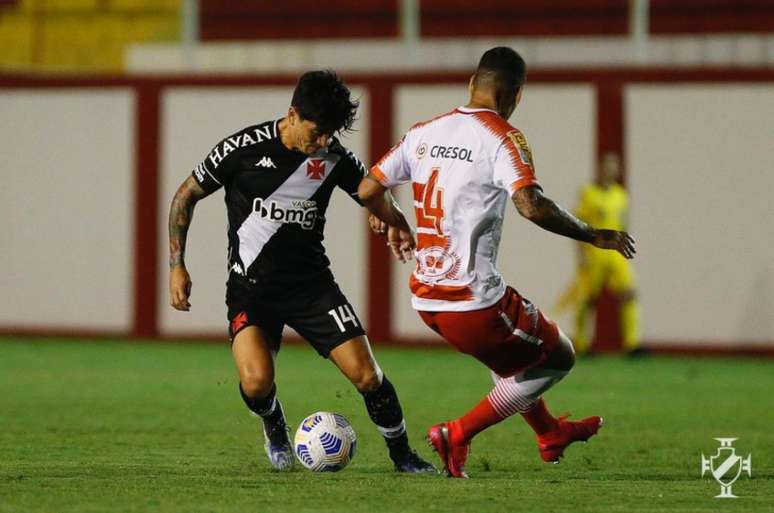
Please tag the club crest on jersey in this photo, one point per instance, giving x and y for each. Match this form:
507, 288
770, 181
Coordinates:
435, 264
315, 169
520, 142
299, 212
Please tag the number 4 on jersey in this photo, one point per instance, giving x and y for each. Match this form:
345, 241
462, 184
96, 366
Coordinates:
430, 214
344, 315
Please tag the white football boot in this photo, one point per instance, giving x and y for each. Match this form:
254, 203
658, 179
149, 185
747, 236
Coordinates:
277, 445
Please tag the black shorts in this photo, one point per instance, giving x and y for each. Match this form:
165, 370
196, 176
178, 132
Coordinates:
318, 311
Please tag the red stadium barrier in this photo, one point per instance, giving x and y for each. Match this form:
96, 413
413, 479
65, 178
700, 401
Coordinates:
235, 20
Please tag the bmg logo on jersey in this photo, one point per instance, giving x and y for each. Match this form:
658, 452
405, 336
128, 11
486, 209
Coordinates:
299, 212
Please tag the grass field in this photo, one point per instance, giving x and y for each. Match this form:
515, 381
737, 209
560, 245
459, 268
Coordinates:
111, 427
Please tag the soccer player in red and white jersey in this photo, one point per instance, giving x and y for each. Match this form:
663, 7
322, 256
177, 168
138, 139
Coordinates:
463, 166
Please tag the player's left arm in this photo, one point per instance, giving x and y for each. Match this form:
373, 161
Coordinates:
514, 170
380, 202
549, 215
351, 172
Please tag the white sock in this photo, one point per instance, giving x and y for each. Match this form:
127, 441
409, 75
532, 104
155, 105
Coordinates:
520, 392
393, 432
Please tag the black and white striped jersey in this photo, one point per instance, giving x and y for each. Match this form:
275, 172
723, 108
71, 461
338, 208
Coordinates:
276, 200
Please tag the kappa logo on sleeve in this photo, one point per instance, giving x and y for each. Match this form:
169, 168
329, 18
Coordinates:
265, 162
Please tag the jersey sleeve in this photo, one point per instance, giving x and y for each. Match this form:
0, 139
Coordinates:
513, 164
393, 169
215, 170
351, 172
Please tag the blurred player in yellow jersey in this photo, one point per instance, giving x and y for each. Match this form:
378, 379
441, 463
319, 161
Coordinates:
604, 205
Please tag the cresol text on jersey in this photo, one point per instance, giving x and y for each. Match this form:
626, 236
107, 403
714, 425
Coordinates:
451, 152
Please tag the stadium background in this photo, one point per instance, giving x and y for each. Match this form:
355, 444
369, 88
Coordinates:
106, 106
91, 159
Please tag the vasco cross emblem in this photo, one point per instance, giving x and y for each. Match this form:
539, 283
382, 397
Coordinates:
315, 169
726, 467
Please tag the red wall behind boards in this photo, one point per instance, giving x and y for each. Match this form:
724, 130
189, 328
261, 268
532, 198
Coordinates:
238, 20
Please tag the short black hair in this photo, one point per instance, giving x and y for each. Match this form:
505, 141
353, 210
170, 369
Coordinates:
322, 97
505, 67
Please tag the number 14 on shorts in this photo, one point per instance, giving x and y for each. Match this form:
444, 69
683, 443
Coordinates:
343, 314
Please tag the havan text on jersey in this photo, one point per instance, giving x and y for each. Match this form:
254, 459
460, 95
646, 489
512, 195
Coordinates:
244, 138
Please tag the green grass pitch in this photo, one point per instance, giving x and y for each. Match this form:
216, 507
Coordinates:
144, 427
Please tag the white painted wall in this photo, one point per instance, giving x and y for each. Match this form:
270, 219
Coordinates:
193, 121
558, 122
701, 162
66, 208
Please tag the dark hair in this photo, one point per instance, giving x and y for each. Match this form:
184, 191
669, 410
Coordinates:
322, 97
504, 68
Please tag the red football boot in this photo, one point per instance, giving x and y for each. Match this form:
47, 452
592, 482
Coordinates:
452, 455
553, 443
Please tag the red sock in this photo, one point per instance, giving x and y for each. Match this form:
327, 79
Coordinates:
475, 421
540, 419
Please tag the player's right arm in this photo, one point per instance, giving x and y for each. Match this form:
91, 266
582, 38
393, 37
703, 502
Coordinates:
380, 202
549, 215
180, 216
374, 191
207, 177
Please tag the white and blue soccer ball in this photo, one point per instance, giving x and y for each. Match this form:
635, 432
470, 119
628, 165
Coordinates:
325, 442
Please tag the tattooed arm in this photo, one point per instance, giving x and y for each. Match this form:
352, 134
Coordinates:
180, 215
544, 212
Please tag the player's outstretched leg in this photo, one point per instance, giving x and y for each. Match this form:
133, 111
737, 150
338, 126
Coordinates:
523, 393
254, 360
451, 440
356, 361
552, 442
275, 429
516, 394
385, 411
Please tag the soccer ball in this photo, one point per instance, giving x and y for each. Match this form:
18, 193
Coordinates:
325, 442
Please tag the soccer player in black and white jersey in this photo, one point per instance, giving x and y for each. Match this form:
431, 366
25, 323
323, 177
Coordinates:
278, 178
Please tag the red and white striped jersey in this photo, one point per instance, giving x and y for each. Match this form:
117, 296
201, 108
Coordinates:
463, 167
